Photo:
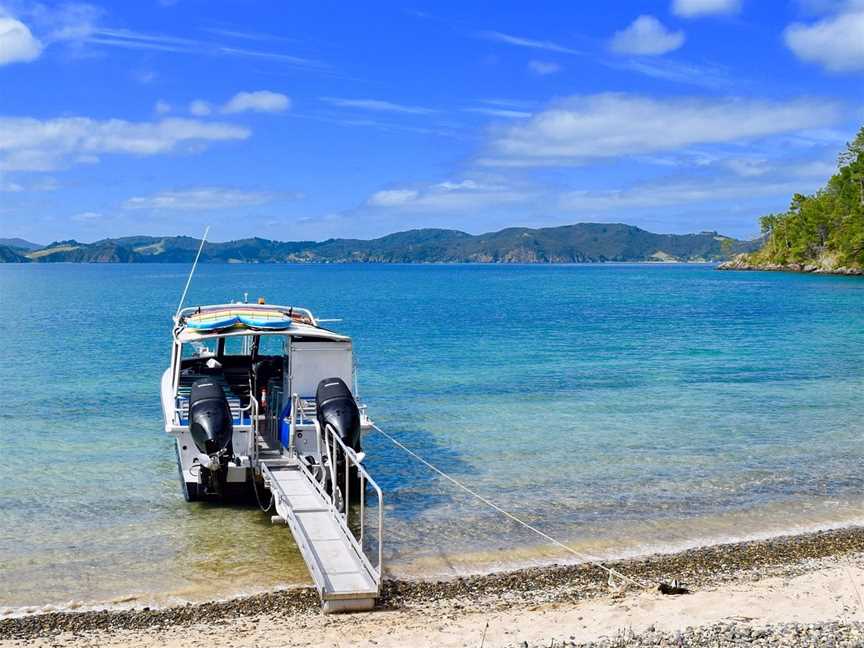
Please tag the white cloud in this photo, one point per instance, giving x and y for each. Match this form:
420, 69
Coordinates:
702, 74
162, 107
43, 184
815, 169
200, 199
543, 68
144, 76
614, 125
66, 22
392, 197
646, 36
450, 195
748, 167
200, 108
835, 42
10, 187
17, 44
87, 217
499, 112
28, 144
520, 41
671, 193
129, 39
695, 8
260, 101
377, 105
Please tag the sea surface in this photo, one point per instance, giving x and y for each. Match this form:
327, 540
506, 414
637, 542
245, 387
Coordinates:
621, 408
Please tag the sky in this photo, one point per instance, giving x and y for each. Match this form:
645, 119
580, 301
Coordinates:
311, 120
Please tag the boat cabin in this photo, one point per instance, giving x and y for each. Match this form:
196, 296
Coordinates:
259, 356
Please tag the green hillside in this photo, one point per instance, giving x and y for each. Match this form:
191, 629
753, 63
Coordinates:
584, 242
822, 232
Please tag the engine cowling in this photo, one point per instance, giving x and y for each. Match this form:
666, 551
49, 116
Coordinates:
338, 409
210, 422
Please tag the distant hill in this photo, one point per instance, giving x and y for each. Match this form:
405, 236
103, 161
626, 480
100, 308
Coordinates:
581, 243
12, 255
19, 243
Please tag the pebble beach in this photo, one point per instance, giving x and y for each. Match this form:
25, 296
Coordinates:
571, 605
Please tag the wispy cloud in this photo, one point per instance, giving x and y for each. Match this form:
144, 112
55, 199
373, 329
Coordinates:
392, 197
260, 101
88, 217
263, 101
499, 112
615, 125
667, 194
543, 68
521, 41
449, 196
246, 35
129, 39
377, 105
21, 186
696, 74
28, 144
200, 108
200, 199
698, 8
385, 126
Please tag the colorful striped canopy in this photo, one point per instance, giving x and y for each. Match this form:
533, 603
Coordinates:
238, 318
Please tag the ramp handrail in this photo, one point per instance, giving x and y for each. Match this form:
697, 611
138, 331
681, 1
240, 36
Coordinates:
336, 448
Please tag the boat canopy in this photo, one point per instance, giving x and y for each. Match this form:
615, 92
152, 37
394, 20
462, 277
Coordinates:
244, 319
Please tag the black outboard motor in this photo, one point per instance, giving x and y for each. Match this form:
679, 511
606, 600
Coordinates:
338, 409
210, 422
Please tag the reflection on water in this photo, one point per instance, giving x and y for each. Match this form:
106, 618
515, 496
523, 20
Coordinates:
621, 408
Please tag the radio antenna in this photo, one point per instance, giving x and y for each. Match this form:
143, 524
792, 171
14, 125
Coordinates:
192, 272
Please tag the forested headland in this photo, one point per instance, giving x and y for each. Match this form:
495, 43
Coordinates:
822, 232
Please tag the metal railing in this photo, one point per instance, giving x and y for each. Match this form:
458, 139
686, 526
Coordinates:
342, 458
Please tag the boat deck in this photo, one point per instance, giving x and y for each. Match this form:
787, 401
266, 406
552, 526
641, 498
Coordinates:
342, 576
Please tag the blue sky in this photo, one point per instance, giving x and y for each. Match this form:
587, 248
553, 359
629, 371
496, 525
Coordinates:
315, 120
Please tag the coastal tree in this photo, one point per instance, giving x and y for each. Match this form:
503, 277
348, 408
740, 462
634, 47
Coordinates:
827, 226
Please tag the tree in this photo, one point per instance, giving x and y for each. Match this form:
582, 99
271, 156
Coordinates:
854, 150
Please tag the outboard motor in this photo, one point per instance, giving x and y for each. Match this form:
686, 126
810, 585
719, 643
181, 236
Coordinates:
338, 409
210, 422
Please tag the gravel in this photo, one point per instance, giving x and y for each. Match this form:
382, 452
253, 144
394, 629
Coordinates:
729, 635
696, 568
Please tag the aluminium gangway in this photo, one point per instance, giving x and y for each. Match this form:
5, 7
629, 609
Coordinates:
331, 534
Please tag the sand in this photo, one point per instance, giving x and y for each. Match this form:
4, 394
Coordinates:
757, 592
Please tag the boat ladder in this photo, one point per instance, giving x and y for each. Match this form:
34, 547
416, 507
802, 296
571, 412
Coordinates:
344, 557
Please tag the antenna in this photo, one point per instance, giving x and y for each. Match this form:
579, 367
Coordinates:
192, 272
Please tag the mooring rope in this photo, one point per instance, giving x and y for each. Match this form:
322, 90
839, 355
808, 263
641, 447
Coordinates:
590, 560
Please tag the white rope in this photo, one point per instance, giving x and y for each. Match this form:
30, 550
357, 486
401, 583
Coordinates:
593, 561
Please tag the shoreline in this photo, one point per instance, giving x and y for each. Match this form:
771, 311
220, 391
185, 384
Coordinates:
700, 569
798, 268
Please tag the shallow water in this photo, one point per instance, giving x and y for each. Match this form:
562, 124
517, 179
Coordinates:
622, 408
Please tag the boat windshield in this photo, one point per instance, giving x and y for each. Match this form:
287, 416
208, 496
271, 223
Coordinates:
200, 349
235, 345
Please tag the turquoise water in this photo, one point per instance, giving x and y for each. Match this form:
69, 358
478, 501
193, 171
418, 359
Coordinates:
623, 408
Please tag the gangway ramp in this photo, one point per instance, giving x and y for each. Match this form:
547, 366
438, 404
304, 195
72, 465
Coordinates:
344, 576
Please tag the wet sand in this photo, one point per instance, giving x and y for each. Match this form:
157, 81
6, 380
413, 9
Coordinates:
765, 586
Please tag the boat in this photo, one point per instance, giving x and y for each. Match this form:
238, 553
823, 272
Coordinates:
262, 402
